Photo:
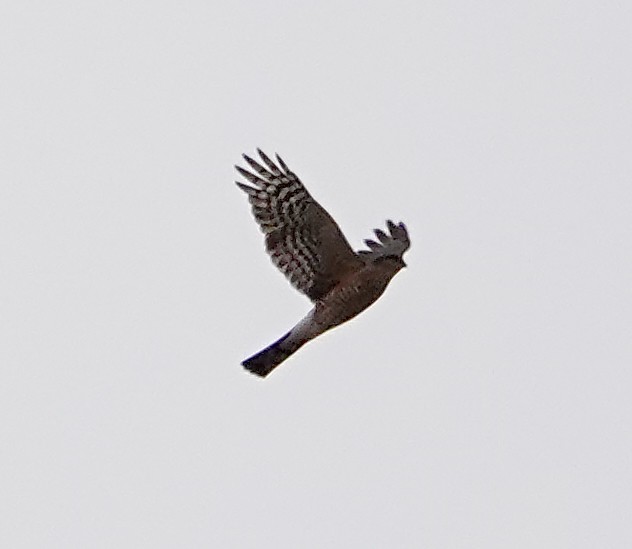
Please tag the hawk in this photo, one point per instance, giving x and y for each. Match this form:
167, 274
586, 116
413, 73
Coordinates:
308, 247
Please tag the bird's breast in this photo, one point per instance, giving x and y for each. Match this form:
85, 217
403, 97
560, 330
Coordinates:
348, 299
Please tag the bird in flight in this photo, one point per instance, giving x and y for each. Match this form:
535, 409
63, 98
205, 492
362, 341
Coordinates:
308, 247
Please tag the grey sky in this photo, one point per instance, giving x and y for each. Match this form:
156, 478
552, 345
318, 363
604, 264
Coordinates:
484, 401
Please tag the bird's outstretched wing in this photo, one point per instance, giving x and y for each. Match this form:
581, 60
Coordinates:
303, 240
393, 245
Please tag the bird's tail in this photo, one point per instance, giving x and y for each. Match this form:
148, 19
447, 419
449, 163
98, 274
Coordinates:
267, 360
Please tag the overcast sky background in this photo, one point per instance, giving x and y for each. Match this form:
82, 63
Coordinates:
484, 401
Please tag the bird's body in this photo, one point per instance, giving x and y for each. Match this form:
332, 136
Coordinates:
306, 244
